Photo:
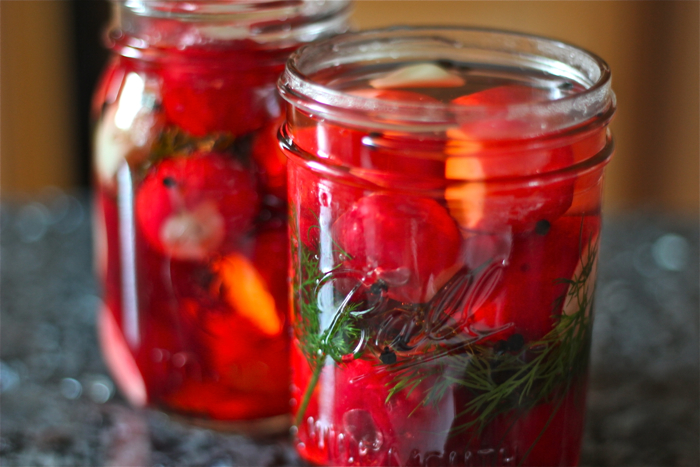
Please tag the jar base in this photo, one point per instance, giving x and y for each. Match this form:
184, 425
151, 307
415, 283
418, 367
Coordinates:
276, 425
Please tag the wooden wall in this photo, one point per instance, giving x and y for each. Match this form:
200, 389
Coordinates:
37, 100
651, 46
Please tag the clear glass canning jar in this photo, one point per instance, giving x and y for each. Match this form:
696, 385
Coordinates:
444, 194
190, 222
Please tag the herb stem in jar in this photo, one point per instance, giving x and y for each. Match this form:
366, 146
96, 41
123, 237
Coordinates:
308, 393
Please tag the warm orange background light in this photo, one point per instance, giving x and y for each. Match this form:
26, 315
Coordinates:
652, 47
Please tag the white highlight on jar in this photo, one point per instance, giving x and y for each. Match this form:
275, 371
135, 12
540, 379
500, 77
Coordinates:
130, 101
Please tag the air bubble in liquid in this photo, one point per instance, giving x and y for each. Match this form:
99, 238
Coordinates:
360, 425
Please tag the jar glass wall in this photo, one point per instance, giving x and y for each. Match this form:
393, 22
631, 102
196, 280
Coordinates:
190, 224
444, 193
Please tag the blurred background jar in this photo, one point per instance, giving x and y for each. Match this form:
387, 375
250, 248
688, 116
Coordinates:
190, 205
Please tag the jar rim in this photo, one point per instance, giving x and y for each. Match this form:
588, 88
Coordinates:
595, 101
269, 22
219, 10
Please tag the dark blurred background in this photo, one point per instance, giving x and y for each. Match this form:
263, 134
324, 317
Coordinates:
51, 54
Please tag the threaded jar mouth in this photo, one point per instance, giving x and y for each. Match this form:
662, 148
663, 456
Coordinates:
594, 104
139, 24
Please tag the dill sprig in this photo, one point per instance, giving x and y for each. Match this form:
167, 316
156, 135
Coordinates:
540, 372
317, 342
175, 141
499, 381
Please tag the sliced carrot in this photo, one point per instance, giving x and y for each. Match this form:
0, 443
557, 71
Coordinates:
246, 291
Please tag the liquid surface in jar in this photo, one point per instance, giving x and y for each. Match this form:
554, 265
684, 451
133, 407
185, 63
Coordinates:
447, 81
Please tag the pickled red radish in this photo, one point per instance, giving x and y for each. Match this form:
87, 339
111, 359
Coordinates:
322, 202
388, 165
504, 95
529, 293
497, 207
348, 147
503, 124
409, 243
194, 206
202, 101
503, 205
271, 161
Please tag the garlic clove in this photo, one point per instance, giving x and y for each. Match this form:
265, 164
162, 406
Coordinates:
422, 75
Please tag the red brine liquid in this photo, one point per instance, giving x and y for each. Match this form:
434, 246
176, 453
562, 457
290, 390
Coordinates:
442, 286
191, 240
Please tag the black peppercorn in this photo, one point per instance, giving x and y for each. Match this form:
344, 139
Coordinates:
388, 356
378, 287
542, 227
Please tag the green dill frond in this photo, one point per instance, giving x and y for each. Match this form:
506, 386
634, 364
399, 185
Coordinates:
499, 383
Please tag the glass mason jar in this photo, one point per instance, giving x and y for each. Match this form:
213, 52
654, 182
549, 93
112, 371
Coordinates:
444, 194
190, 224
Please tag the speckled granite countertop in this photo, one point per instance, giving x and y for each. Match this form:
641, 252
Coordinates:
59, 406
